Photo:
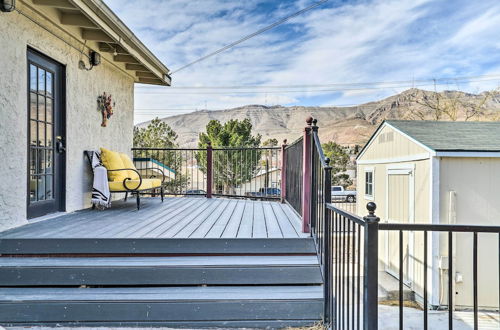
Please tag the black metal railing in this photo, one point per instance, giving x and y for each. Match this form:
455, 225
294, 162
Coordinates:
351, 275
321, 183
342, 204
246, 172
183, 172
293, 175
403, 231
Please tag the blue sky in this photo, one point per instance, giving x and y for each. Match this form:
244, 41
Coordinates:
341, 42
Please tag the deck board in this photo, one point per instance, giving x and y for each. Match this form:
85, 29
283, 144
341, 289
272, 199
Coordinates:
187, 230
207, 223
221, 223
246, 226
141, 221
259, 222
176, 217
273, 227
234, 222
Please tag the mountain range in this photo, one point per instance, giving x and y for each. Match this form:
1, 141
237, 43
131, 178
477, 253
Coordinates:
345, 125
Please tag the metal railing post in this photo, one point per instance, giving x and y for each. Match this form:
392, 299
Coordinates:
209, 170
370, 279
283, 171
328, 241
306, 177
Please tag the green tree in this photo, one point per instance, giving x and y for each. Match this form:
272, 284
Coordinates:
157, 134
339, 160
231, 167
160, 135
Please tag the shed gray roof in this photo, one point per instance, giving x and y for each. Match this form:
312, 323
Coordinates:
452, 135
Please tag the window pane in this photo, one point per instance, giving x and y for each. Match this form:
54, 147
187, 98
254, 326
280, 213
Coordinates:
33, 107
49, 162
49, 184
48, 141
33, 185
49, 111
41, 134
49, 83
41, 161
41, 108
41, 81
33, 131
33, 161
41, 188
33, 75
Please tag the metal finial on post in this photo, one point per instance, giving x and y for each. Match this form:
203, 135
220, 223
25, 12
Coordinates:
314, 125
371, 207
309, 120
371, 217
327, 161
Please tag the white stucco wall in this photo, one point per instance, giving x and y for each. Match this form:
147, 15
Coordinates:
83, 121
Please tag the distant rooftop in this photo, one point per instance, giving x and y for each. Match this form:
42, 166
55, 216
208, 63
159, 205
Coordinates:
452, 135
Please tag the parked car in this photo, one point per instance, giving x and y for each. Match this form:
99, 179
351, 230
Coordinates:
339, 194
265, 192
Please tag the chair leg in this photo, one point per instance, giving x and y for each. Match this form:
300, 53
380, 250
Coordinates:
126, 195
138, 201
162, 194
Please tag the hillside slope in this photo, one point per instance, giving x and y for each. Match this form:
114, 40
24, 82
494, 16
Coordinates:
345, 125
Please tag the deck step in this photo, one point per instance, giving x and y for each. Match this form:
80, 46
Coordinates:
221, 306
156, 246
188, 270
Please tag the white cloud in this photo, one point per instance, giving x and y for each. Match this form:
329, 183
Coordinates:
358, 41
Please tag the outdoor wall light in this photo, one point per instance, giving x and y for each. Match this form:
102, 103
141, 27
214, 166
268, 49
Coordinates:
7, 5
94, 60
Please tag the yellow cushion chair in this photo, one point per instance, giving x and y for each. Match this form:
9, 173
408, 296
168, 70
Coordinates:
113, 163
124, 177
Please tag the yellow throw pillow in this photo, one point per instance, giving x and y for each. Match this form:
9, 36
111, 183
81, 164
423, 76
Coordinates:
129, 164
112, 161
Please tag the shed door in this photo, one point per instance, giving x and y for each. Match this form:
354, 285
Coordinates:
46, 136
399, 210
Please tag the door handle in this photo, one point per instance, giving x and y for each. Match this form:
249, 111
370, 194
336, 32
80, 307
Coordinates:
60, 148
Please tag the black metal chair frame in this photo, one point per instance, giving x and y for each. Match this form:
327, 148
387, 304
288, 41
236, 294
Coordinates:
131, 190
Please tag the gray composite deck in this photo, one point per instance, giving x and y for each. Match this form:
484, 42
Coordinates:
180, 218
187, 262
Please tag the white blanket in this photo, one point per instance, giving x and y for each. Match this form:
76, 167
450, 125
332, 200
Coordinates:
101, 197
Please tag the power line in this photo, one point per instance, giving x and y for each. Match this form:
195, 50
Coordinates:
296, 91
442, 80
267, 28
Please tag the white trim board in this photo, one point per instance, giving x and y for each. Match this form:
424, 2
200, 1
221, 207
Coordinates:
469, 154
409, 158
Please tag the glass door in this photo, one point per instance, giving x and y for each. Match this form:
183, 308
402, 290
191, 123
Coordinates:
46, 145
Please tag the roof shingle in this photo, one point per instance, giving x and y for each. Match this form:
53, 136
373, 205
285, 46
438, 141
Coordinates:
452, 135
